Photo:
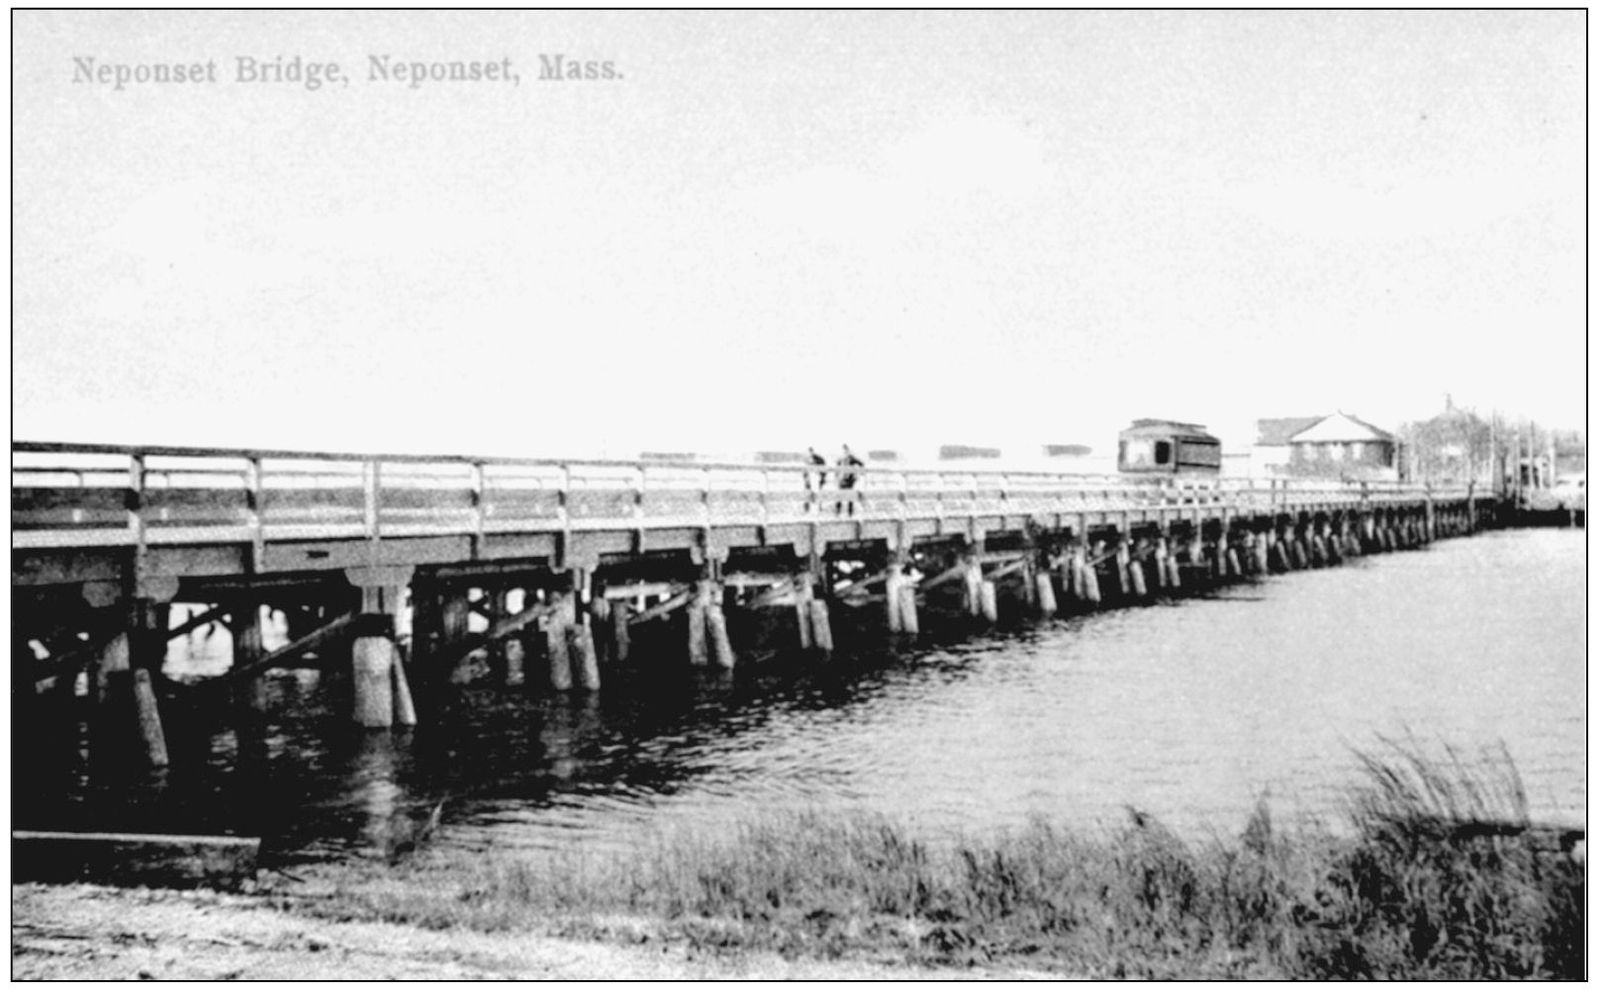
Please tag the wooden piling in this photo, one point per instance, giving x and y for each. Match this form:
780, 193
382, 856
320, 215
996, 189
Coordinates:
820, 628
1047, 605
559, 669
973, 587
149, 719
1123, 562
583, 654
372, 657
1263, 561
803, 595
513, 661
1163, 580
621, 613
1079, 574
401, 694
1135, 570
894, 581
990, 601
250, 694
714, 618
697, 644
1090, 584
1234, 568
908, 616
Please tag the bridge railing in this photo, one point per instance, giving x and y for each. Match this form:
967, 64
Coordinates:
69, 494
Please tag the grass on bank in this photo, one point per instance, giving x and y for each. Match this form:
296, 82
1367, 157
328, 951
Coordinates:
1441, 877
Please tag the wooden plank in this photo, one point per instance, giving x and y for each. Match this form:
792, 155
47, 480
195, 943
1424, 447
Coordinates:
950, 574
126, 859
206, 618
295, 650
664, 609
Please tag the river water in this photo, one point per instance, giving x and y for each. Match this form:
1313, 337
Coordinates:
1188, 709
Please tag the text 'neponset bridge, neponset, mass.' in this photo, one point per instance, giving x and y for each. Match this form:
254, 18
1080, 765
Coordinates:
401, 566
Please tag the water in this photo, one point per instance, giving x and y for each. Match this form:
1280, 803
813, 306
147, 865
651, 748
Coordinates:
1189, 710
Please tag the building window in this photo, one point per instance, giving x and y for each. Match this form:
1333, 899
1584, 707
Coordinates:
1163, 453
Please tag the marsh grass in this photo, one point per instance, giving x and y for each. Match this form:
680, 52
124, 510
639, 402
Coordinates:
1441, 876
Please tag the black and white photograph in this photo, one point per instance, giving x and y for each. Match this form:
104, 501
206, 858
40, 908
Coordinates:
774, 495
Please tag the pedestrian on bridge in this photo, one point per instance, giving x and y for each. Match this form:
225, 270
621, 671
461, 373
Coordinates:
811, 484
847, 479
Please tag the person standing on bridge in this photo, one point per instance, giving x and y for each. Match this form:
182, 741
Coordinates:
811, 483
847, 479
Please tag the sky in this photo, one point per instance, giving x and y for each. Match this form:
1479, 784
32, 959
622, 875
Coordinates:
767, 231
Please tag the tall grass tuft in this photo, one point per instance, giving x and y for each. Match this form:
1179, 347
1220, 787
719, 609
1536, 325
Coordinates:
1447, 878
1441, 876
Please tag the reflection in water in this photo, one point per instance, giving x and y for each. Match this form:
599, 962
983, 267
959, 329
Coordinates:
1188, 709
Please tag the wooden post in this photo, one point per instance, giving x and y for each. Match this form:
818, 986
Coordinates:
1135, 567
372, 657
513, 661
452, 627
1123, 561
820, 616
1047, 605
895, 611
250, 695
990, 601
150, 719
973, 585
1091, 576
714, 617
401, 694
1163, 579
1079, 576
909, 618
1263, 561
559, 668
803, 595
622, 631
697, 646
583, 653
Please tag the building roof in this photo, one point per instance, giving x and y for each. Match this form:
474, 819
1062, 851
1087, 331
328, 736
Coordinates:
1335, 427
1160, 428
1341, 427
1278, 431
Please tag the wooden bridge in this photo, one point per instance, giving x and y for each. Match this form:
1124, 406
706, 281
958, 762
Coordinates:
391, 555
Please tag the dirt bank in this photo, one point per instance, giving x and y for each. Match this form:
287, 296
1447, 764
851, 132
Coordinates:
86, 932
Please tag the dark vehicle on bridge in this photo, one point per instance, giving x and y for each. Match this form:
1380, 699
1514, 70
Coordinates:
1153, 447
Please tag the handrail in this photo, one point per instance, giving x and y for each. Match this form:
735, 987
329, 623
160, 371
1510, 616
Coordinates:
353, 493
640, 469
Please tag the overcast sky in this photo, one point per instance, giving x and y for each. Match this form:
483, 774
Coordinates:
772, 230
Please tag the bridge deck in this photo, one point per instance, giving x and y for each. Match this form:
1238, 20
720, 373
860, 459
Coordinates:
79, 512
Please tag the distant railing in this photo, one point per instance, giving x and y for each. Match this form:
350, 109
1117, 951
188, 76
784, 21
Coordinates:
76, 494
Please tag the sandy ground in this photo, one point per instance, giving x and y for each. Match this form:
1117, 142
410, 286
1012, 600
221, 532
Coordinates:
87, 932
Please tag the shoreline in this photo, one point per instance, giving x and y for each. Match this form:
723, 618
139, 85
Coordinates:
1444, 877
94, 932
